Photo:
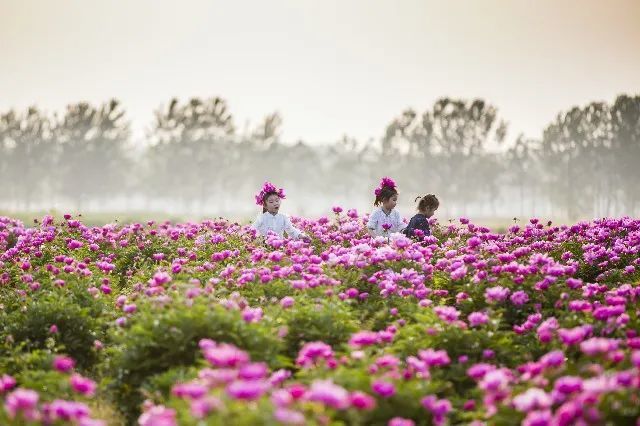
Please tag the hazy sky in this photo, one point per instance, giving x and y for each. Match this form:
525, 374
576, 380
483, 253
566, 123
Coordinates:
330, 67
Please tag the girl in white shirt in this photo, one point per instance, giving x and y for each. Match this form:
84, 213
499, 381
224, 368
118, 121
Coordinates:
384, 219
270, 220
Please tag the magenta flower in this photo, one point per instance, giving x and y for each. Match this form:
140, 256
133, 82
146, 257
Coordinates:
23, 401
287, 302
496, 294
439, 408
519, 298
63, 363
277, 377
598, 345
384, 389
7, 383
66, 411
252, 314
130, 308
447, 313
399, 421
82, 385
362, 401
568, 384
553, 359
201, 408
364, 338
289, 417
189, 390
532, 398
160, 278
433, 358
478, 318
247, 390
385, 182
573, 336
225, 355
158, 415
328, 393
267, 188
253, 371
312, 351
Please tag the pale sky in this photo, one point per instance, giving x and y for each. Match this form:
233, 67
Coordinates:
329, 67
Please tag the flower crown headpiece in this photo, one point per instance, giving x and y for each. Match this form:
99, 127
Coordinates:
267, 188
385, 182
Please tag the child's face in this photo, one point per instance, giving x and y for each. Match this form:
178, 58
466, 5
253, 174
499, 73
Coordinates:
390, 203
272, 203
430, 211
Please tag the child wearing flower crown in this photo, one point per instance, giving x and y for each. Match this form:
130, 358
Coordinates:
384, 219
418, 226
270, 220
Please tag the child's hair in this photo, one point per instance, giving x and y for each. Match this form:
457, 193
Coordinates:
384, 194
266, 197
429, 201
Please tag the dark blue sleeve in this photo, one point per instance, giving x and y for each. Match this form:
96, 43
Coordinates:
408, 231
423, 225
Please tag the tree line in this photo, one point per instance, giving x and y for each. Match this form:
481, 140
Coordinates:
195, 160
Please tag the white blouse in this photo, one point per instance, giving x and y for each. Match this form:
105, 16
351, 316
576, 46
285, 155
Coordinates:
277, 223
378, 217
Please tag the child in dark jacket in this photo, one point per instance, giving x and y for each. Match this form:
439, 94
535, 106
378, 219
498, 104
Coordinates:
418, 226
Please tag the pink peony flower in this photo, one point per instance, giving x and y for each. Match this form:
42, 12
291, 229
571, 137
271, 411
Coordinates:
399, 421
478, 318
289, 417
328, 393
311, 352
201, 408
384, 389
23, 401
82, 385
247, 390
362, 401
7, 383
496, 294
267, 188
191, 390
532, 398
63, 363
287, 302
158, 415
225, 355
364, 338
385, 182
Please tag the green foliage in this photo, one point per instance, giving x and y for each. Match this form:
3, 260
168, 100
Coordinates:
78, 317
159, 339
328, 320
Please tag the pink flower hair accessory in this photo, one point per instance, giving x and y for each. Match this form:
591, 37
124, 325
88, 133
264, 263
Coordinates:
386, 181
267, 188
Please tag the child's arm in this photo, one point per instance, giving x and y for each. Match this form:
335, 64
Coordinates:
291, 230
257, 225
399, 225
372, 224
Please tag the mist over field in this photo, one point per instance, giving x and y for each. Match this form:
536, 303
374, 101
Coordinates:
196, 162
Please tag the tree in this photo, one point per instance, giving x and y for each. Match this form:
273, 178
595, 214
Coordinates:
191, 149
460, 131
92, 143
26, 138
625, 129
